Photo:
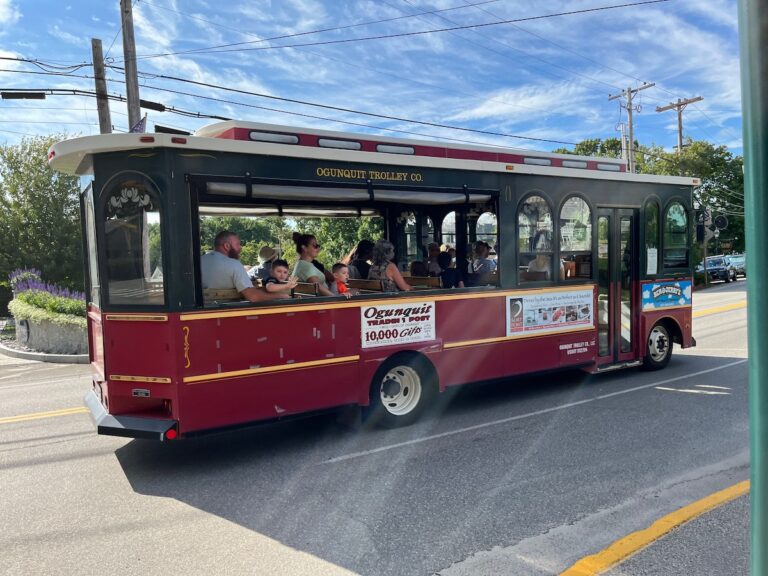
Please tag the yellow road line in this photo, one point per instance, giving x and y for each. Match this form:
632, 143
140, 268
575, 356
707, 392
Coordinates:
625, 547
723, 308
41, 415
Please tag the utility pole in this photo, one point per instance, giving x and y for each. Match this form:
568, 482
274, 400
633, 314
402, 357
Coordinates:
624, 148
102, 101
680, 106
131, 73
628, 94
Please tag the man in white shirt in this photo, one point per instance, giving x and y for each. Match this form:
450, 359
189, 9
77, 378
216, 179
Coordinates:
221, 268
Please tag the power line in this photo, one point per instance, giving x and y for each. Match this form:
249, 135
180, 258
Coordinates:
351, 111
438, 30
286, 36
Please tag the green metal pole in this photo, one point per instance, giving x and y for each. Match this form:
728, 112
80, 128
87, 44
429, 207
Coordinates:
753, 32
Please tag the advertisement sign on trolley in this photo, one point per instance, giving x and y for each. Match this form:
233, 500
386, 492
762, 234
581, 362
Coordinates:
386, 325
549, 312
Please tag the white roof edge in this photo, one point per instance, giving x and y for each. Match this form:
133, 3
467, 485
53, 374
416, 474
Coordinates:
74, 156
213, 130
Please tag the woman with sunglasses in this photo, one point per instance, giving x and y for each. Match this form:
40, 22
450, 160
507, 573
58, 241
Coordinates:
307, 248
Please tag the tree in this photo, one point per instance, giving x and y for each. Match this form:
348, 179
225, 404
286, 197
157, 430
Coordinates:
610, 148
40, 215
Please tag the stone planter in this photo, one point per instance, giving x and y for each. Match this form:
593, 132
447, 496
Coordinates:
45, 336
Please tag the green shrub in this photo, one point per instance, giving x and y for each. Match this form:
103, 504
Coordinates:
52, 303
23, 311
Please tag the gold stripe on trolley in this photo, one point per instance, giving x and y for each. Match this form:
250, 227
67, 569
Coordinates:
266, 369
257, 311
155, 379
514, 337
137, 317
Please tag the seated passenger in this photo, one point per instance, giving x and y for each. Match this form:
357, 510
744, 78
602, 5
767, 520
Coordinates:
305, 270
278, 282
482, 265
220, 269
450, 277
267, 255
340, 278
433, 251
542, 264
384, 269
358, 259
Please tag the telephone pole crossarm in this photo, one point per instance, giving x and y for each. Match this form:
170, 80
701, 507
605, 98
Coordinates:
679, 106
628, 94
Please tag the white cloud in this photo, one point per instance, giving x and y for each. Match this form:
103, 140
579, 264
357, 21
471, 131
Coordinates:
9, 13
64, 36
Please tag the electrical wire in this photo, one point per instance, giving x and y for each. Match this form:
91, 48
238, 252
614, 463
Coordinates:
438, 30
286, 36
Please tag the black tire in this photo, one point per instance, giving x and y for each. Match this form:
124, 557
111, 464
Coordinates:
659, 349
401, 390
727, 277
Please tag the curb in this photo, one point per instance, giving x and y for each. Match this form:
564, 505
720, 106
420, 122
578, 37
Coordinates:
43, 357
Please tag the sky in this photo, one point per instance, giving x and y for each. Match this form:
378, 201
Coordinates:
540, 82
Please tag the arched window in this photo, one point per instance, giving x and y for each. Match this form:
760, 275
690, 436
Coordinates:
676, 236
576, 238
534, 240
652, 237
133, 241
448, 229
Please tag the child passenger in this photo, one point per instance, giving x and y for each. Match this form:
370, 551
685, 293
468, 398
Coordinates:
340, 278
279, 283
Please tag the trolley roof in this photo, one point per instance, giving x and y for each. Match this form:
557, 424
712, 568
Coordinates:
75, 156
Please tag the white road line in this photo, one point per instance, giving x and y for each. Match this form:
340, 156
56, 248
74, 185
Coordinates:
689, 391
354, 455
710, 386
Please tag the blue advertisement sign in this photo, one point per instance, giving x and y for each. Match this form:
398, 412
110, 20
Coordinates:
658, 295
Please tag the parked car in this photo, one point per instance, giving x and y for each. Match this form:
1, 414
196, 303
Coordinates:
739, 261
719, 268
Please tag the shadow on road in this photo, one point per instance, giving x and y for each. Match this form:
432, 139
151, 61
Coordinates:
403, 505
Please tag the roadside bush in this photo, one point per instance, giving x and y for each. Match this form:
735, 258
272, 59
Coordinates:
21, 275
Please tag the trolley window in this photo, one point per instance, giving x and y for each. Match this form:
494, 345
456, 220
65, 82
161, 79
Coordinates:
134, 260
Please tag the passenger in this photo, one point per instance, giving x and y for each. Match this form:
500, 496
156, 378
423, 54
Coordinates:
452, 253
340, 279
450, 277
220, 269
267, 255
418, 268
305, 270
482, 265
278, 282
358, 259
385, 270
433, 251
542, 264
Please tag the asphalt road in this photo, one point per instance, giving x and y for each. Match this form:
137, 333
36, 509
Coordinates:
518, 478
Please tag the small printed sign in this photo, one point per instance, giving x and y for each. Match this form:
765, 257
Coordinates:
392, 324
658, 295
549, 312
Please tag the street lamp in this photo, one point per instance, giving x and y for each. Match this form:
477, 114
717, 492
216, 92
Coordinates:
21, 95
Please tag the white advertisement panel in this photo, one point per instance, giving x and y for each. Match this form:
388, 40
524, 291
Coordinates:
549, 312
390, 324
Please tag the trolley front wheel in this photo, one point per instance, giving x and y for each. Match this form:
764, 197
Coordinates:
659, 348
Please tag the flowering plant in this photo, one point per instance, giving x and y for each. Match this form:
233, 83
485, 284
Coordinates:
23, 275
31, 290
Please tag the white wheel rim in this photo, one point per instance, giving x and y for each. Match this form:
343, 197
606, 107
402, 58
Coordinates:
658, 344
400, 390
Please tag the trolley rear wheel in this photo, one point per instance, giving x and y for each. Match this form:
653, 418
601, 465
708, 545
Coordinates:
401, 390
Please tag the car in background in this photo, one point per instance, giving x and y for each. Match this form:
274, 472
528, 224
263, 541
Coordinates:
719, 268
739, 261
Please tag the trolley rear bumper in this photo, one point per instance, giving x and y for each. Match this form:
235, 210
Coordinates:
126, 426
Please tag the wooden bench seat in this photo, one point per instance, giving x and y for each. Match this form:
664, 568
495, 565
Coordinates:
365, 286
424, 282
